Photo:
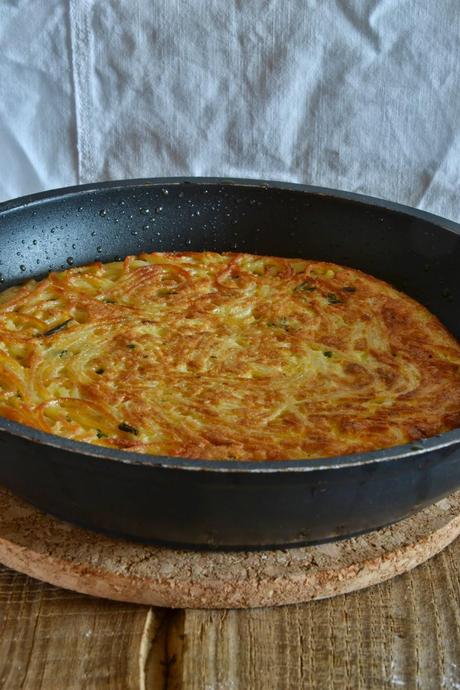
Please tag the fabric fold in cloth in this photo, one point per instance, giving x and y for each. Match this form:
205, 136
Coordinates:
37, 115
355, 94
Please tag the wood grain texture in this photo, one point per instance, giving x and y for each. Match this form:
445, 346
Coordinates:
404, 633
55, 639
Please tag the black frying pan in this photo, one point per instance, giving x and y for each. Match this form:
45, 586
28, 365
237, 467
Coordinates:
226, 503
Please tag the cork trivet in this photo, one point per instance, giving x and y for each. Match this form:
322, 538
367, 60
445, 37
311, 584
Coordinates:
48, 549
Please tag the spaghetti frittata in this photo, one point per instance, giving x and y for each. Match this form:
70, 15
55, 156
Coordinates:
225, 356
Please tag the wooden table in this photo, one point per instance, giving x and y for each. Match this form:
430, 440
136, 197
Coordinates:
404, 633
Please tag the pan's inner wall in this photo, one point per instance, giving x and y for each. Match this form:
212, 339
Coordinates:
415, 255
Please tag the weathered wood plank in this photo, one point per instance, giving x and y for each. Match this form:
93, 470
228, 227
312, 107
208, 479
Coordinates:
163, 665
404, 633
51, 639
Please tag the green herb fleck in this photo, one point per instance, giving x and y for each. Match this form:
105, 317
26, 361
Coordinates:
100, 434
327, 353
128, 428
164, 292
56, 329
62, 353
109, 301
100, 370
333, 299
131, 346
304, 287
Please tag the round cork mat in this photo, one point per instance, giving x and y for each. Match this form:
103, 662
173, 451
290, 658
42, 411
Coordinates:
57, 552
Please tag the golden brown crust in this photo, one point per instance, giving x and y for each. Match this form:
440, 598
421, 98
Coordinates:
221, 356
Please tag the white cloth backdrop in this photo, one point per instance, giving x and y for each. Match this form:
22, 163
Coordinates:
361, 95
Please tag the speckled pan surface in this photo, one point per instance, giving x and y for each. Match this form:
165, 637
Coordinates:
220, 504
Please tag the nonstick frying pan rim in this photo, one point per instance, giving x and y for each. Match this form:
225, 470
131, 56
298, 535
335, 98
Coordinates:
394, 453
371, 201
